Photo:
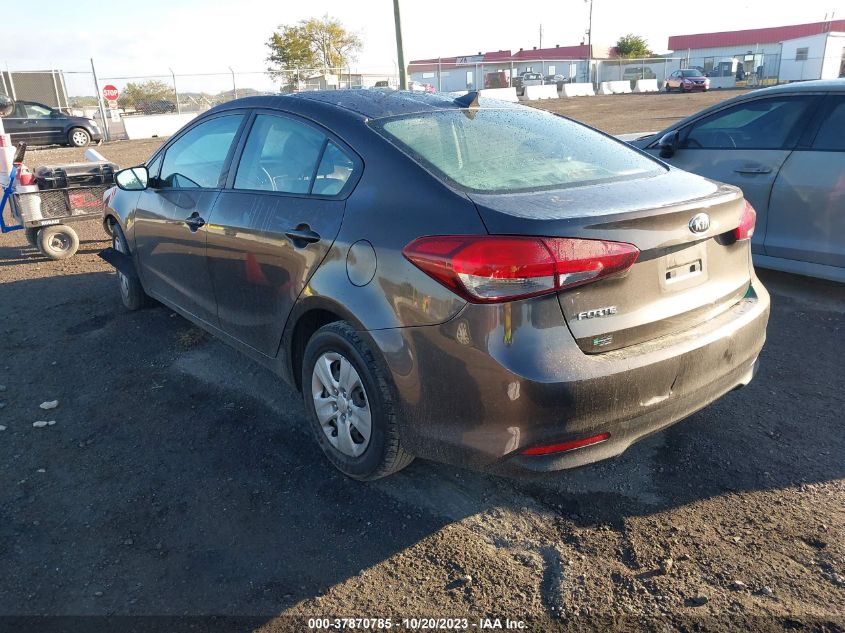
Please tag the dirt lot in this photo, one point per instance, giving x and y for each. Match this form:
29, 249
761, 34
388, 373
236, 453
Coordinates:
623, 114
179, 480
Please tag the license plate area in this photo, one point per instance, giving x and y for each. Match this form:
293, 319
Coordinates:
683, 269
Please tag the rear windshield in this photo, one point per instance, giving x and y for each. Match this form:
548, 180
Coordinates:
497, 151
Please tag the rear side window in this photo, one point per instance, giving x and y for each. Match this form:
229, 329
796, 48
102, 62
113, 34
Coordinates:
761, 124
196, 159
508, 150
280, 155
831, 135
334, 170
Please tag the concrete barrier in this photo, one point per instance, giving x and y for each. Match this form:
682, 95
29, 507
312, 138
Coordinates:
502, 94
541, 92
619, 87
722, 82
578, 90
153, 125
646, 85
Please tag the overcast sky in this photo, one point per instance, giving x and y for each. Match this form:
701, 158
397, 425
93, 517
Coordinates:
194, 36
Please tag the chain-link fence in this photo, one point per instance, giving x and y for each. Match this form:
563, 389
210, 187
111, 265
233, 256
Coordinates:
80, 92
468, 73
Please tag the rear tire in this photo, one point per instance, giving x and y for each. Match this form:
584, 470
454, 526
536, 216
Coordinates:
131, 292
58, 242
350, 388
32, 236
78, 137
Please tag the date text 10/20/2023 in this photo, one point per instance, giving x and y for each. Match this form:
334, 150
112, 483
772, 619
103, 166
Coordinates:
416, 624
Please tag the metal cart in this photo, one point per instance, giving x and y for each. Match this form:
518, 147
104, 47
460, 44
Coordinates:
44, 214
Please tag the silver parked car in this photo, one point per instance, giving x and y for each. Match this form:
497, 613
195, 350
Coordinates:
785, 148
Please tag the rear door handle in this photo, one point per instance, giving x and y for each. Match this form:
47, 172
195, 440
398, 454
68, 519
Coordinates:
753, 170
194, 222
302, 234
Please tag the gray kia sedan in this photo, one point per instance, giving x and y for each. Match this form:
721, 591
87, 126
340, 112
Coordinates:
785, 147
463, 280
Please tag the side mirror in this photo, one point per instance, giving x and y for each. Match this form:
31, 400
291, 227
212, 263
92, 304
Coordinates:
668, 144
132, 179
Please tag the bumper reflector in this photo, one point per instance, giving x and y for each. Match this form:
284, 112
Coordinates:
566, 446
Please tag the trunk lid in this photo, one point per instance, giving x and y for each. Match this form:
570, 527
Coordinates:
681, 277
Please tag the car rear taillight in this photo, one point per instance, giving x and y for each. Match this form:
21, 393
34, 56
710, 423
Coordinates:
489, 268
745, 230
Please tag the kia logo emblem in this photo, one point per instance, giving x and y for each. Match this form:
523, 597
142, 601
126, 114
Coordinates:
699, 223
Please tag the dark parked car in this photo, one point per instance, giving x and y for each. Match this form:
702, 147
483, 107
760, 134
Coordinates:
38, 124
785, 146
496, 287
158, 106
558, 80
527, 79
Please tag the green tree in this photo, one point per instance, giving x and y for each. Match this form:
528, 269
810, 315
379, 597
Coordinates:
321, 44
630, 46
151, 90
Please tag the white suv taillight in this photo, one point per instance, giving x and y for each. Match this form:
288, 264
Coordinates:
490, 269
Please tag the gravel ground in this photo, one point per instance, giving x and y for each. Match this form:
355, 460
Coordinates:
179, 480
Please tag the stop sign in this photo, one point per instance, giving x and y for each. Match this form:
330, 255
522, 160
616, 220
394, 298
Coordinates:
110, 93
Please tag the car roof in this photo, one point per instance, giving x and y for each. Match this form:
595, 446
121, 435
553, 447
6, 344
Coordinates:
371, 104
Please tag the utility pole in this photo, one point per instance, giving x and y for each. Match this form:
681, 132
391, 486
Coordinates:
590, 44
400, 53
541, 36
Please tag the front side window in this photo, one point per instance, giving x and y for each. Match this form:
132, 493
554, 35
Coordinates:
36, 111
198, 157
760, 124
831, 134
280, 155
513, 150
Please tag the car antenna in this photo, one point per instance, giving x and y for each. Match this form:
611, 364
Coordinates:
469, 100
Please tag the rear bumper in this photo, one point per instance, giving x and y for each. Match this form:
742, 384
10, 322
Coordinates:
498, 379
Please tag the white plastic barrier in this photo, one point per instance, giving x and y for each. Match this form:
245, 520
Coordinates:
722, 82
155, 124
604, 89
646, 85
578, 90
541, 92
502, 94
619, 87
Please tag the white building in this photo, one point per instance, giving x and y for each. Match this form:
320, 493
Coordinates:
819, 56
765, 53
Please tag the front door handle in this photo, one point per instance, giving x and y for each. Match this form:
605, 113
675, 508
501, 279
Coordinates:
753, 170
302, 235
194, 222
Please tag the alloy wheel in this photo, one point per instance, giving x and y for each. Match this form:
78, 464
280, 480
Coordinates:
341, 403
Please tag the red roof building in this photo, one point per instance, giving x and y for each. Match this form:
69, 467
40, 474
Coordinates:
770, 35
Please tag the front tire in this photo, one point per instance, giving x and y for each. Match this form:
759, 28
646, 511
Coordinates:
58, 242
350, 406
78, 137
132, 294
